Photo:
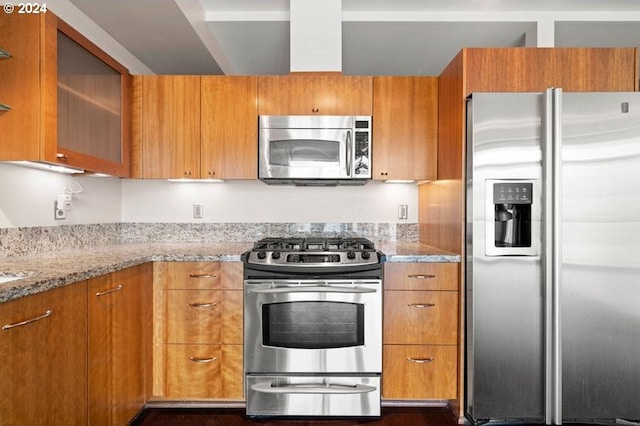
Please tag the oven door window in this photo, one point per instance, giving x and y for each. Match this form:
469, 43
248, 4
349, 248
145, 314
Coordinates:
313, 325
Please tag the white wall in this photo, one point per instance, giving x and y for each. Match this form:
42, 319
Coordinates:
254, 201
27, 197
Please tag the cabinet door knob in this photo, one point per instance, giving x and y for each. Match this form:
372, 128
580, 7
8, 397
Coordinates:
61, 157
29, 321
315, 110
187, 173
384, 174
212, 173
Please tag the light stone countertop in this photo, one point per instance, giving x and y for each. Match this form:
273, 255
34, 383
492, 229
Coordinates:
50, 270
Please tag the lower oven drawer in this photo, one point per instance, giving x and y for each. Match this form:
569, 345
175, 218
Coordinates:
313, 395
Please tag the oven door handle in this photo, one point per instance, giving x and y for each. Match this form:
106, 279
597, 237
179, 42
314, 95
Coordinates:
314, 389
312, 289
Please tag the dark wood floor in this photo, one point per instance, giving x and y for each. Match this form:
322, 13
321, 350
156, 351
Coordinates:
405, 416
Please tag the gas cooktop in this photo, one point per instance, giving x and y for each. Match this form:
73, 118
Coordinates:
314, 251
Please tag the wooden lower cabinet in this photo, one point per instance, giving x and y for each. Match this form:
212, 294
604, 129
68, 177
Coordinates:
420, 331
43, 363
204, 371
420, 371
198, 331
119, 345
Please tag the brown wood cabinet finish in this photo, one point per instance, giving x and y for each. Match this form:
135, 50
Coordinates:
198, 330
29, 85
315, 93
419, 317
43, 373
405, 128
419, 372
229, 126
168, 125
119, 344
420, 276
420, 330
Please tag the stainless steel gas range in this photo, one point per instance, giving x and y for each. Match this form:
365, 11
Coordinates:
313, 327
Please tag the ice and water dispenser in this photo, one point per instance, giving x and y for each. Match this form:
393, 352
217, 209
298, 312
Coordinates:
510, 217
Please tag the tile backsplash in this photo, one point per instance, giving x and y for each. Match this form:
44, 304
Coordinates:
34, 240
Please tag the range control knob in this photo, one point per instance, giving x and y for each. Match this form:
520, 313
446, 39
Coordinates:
275, 255
366, 255
261, 255
351, 254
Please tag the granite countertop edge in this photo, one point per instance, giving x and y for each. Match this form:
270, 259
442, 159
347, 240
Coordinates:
47, 271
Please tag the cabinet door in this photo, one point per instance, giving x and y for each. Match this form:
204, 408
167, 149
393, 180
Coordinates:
63, 108
418, 317
119, 345
170, 126
43, 372
420, 276
405, 128
229, 126
204, 316
21, 86
419, 372
315, 93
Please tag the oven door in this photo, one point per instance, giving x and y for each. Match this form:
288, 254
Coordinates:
313, 326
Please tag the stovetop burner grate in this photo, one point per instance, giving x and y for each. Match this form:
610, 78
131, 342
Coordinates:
314, 244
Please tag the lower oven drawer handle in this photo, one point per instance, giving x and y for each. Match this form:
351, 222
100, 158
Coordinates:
314, 389
312, 289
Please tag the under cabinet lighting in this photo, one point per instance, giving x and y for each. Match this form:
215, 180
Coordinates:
400, 181
196, 180
46, 166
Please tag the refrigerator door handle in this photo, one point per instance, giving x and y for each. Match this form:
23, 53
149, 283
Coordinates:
553, 244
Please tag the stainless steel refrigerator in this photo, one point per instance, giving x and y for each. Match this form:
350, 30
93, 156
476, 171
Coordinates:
553, 258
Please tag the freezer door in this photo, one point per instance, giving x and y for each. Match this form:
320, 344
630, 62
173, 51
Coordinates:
505, 350
600, 256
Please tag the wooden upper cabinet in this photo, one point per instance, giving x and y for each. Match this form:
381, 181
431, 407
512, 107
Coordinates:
229, 126
69, 101
535, 69
405, 128
167, 126
315, 93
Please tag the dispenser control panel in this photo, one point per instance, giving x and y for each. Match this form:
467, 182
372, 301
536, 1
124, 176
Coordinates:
512, 193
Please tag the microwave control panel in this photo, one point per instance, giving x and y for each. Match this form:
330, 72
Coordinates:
362, 147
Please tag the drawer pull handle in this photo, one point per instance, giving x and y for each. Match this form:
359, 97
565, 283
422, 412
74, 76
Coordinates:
421, 305
421, 276
420, 360
203, 276
203, 305
29, 321
202, 360
113, 290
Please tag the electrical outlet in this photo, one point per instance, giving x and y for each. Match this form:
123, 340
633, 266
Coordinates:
403, 211
58, 214
197, 211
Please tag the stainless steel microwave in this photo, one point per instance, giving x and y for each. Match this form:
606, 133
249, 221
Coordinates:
314, 150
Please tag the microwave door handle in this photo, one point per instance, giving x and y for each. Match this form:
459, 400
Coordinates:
311, 289
349, 142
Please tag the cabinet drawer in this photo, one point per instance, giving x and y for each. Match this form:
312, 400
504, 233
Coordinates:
419, 372
204, 371
199, 275
417, 317
204, 316
420, 276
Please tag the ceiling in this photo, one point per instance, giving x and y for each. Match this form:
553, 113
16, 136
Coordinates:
379, 37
